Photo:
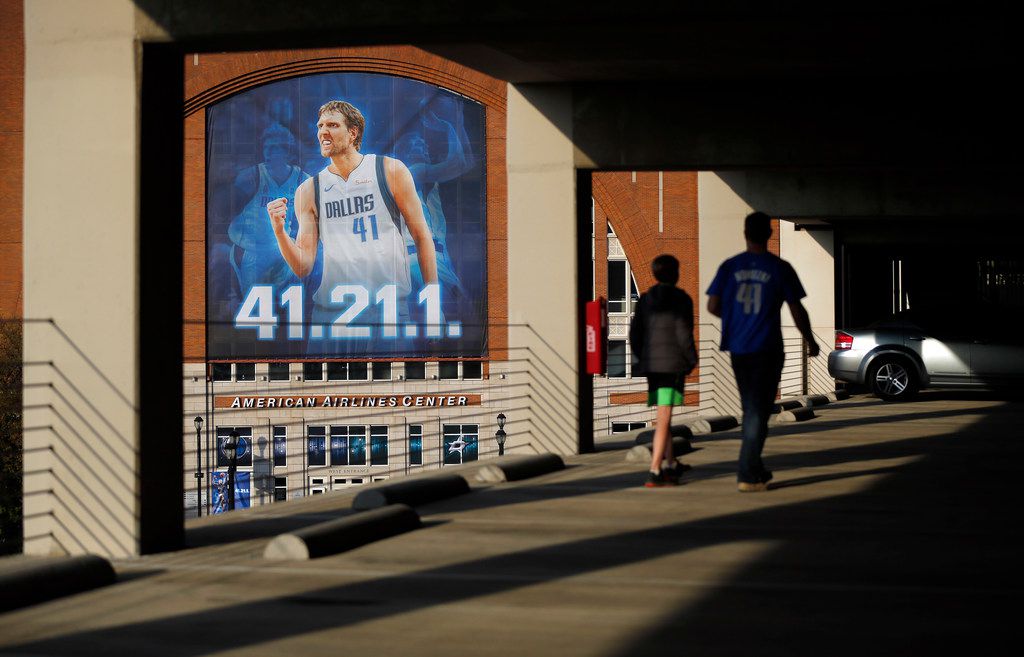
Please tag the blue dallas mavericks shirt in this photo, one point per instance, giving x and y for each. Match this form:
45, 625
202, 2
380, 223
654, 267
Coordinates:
752, 287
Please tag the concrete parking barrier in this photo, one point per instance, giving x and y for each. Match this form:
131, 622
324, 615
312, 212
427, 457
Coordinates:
816, 400
642, 453
514, 468
795, 415
838, 395
27, 581
343, 534
646, 437
788, 404
714, 423
413, 492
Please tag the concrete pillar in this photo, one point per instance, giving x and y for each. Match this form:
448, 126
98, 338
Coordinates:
720, 211
82, 278
541, 263
811, 254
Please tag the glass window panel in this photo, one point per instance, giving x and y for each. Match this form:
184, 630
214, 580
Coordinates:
617, 358
378, 445
448, 369
220, 371
452, 444
313, 371
280, 446
337, 371
415, 444
316, 448
245, 371
357, 446
278, 371
616, 286
469, 436
357, 371
381, 371
472, 369
339, 445
415, 370
243, 451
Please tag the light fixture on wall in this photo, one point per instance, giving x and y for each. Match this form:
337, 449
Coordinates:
231, 447
500, 434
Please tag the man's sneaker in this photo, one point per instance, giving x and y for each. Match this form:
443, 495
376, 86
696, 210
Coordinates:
676, 470
659, 479
752, 487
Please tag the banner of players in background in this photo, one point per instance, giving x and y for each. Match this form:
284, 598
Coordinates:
263, 143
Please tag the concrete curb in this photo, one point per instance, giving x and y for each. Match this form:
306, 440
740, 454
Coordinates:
515, 468
713, 424
27, 581
788, 405
642, 453
413, 492
343, 534
795, 415
816, 400
646, 437
838, 395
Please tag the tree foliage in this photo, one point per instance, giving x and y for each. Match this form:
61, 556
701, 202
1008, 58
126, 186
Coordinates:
10, 436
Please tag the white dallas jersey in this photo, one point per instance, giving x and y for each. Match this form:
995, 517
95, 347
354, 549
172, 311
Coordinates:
361, 231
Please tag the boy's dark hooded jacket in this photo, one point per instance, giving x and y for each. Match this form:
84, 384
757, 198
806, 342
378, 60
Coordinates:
661, 332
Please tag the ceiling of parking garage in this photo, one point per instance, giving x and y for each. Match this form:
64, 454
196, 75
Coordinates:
529, 41
907, 107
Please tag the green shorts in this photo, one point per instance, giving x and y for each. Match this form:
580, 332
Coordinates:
665, 389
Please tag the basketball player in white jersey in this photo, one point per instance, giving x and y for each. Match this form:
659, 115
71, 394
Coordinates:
359, 207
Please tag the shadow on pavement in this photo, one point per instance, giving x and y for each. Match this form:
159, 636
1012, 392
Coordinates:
924, 560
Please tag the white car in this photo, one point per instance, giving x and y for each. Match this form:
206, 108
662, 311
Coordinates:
897, 356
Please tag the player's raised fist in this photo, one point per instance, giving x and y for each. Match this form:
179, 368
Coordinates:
277, 209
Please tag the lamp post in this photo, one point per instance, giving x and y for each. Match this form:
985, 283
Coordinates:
199, 466
500, 434
231, 445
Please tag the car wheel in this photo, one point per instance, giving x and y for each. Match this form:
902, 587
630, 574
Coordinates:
892, 379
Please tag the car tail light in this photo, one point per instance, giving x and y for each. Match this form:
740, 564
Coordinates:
844, 341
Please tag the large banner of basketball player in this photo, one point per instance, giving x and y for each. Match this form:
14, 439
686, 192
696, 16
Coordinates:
346, 219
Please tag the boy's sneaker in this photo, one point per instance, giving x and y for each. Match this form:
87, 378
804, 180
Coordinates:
752, 487
676, 470
659, 479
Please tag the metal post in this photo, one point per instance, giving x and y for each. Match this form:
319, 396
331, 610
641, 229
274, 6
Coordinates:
199, 466
232, 466
804, 356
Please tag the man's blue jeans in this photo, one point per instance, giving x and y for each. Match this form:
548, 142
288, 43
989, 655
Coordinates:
757, 376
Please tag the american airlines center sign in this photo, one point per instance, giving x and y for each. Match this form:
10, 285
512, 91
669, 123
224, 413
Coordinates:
254, 402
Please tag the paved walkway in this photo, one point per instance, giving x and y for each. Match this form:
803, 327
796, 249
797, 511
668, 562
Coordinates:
893, 529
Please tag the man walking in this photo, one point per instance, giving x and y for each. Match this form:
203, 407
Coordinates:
747, 293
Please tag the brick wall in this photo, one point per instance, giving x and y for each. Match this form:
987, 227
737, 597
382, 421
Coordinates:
12, 102
632, 209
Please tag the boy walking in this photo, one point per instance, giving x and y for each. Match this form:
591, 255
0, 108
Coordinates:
661, 334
